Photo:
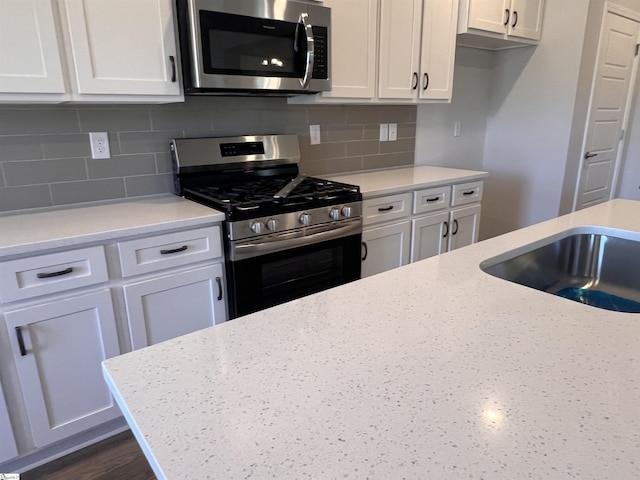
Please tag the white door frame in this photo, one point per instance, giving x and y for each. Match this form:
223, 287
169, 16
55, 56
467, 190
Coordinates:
613, 8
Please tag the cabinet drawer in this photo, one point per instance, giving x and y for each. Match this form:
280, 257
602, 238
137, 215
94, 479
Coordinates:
391, 207
431, 199
170, 250
464, 193
52, 273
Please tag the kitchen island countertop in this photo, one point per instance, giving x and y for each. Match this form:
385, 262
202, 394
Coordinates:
434, 370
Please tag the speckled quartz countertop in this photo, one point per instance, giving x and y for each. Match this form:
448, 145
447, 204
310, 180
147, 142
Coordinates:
395, 180
29, 232
435, 370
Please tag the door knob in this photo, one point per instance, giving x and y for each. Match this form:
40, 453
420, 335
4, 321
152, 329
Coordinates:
589, 155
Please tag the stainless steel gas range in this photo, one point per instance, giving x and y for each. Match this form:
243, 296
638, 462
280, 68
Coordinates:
286, 235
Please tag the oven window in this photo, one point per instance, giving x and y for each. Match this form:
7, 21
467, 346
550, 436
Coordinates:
240, 45
264, 281
295, 276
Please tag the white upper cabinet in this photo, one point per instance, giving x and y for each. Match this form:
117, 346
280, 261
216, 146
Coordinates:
88, 51
417, 49
123, 47
30, 60
354, 36
390, 51
497, 24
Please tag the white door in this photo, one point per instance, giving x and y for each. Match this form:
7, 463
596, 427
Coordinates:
526, 19
8, 449
489, 15
167, 307
384, 248
58, 349
30, 60
354, 38
464, 226
429, 236
400, 39
143, 59
439, 24
610, 97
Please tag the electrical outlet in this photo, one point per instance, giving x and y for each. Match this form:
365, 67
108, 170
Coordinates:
99, 145
393, 132
384, 132
314, 133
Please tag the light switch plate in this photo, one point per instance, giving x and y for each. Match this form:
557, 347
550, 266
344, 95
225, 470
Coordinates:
456, 129
384, 132
393, 132
314, 133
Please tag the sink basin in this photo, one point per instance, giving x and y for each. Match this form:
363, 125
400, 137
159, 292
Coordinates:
601, 270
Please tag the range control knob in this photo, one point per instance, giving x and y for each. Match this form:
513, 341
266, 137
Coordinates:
334, 213
256, 227
305, 219
346, 211
272, 224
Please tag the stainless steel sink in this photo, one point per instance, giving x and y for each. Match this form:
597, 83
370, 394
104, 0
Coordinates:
600, 270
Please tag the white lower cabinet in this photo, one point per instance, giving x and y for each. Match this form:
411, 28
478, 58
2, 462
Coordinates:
443, 218
465, 225
58, 348
162, 308
429, 236
385, 247
8, 448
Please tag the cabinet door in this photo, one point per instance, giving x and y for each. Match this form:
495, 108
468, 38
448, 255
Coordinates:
58, 349
143, 59
464, 224
429, 236
400, 39
385, 248
489, 15
526, 18
30, 60
8, 449
354, 36
439, 24
166, 307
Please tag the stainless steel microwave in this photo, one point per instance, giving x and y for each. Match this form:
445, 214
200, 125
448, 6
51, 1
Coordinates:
267, 47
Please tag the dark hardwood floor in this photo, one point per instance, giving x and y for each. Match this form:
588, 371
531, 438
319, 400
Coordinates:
116, 458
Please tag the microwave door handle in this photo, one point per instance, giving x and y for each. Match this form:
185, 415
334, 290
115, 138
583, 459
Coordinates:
310, 57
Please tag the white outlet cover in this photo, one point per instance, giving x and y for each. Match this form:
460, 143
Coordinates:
314, 133
99, 145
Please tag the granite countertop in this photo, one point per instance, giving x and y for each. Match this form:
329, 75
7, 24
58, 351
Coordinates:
433, 370
26, 233
396, 180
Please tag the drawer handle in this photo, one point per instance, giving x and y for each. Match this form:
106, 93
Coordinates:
455, 224
66, 271
219, 282
366, 251
173, 250
23, 350
434, 199
446, 229
467, 193
386, 209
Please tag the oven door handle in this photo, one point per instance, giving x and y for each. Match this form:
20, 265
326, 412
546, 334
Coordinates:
310, 55
277, 243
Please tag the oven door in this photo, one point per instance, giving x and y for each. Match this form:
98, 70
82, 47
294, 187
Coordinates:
266, 45
276, 275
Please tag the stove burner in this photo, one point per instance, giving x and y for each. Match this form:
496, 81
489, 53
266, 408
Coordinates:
251, 195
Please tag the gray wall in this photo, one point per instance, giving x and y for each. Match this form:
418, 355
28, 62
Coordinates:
45, 158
